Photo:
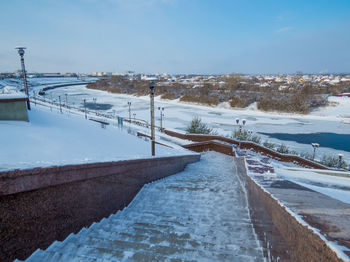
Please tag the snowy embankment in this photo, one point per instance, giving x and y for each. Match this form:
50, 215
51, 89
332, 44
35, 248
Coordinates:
51, 138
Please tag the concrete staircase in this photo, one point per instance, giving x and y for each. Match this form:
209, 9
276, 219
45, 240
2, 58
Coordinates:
200, 214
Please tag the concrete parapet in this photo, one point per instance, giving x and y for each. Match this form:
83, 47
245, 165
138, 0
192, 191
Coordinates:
289, 239
41, 205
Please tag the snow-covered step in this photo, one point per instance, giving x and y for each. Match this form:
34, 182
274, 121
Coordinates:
98, 252
109, 250
200, 214
49, 256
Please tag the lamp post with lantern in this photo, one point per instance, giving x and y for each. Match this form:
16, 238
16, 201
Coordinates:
240, 124
315, 146
129, 105
21, 54
161, 110
151, 87
340, 158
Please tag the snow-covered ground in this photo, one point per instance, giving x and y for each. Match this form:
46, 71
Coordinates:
330, 183
200, 214
339, 107
330, 119
334, 118
51, 138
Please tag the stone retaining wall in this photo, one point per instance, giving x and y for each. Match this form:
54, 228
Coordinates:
41, 205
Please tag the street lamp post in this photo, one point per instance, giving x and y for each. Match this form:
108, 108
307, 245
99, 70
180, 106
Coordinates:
59, 98
85, 108
315, 146
152, 118
34, 98
161, 110
340, 158
250, 134
51, 102
240, 129
129, 104
21, 54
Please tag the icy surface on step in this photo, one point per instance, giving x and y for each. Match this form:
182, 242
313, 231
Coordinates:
197, 215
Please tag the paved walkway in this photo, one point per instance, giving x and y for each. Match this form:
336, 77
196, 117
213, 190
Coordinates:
200, 214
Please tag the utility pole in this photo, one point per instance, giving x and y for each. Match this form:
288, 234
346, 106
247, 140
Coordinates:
152, 118
21, 54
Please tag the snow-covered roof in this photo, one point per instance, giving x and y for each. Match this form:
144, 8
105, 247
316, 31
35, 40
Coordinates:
10, 92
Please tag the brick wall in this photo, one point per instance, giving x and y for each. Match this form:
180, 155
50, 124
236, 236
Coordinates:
211, 145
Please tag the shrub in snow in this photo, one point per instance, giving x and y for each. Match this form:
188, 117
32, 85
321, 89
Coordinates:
269, 145
242, 101
246, 136
333, 161
198, 127
243, 135
256, 139
283, 149
306, 155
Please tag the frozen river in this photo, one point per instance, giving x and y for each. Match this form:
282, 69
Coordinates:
200, 214
178, 116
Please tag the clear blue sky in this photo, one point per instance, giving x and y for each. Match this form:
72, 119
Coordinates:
177, 36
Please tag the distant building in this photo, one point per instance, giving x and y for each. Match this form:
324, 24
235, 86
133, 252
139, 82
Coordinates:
51, 75
344, 95
70, 75
130, 73
101, 74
